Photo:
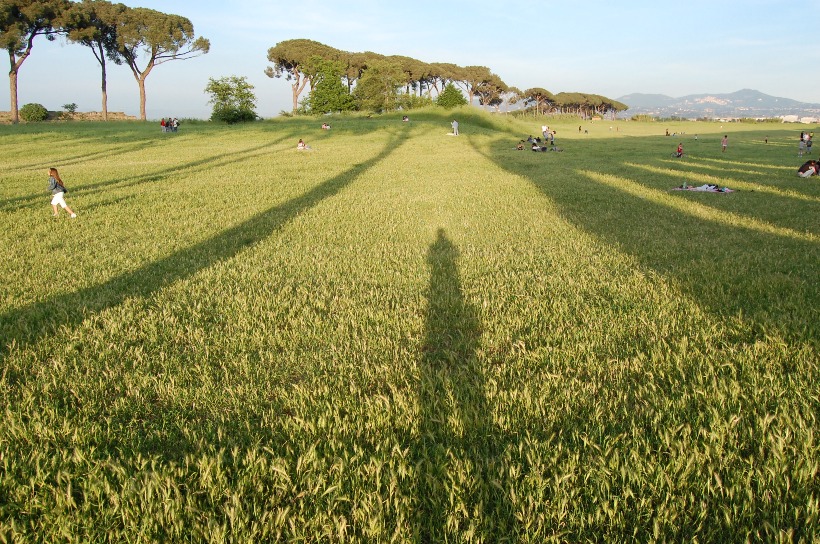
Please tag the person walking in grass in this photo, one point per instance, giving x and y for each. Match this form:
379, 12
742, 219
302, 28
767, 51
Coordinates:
58, 191
801, 147
454, 124
724, 143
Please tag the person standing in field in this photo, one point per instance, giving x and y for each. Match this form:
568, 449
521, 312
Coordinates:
724, 143
58, 191
454, 124
801, 146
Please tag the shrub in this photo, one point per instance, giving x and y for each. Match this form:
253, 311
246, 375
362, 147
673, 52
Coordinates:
412, 102
231, 114
328, 93
233, 99
451, 97
33, 112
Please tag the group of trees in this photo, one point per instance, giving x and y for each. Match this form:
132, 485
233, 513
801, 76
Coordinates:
143, 38
385, 82
140, 38
373, 81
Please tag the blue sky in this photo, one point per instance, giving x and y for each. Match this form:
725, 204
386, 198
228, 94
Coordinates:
606, 47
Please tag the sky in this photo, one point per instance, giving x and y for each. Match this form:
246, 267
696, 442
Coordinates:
607, 47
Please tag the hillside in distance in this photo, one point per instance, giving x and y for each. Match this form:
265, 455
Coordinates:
743, 103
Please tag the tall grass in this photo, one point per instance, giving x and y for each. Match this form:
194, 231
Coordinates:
401, 336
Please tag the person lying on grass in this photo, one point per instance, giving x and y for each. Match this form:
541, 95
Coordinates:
708, 187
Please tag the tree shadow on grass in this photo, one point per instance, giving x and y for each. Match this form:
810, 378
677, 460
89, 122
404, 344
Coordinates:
28, 324
80, 158
769, 280
198, 165
458, 453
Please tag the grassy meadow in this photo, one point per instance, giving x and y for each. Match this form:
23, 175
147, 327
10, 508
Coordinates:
401, 336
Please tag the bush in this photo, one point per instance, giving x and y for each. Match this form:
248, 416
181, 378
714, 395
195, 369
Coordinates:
33, 112
230, 115
412, 102
451, 97
233, 99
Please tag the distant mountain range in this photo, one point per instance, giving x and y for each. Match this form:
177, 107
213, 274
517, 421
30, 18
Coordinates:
744, 103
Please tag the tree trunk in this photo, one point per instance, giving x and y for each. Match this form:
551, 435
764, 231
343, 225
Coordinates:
298, 86
141, 82
104, 95
104, 85
140, 77
104, 102
15, 68
15, 114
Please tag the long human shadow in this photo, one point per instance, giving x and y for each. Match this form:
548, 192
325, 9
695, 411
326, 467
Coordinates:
203, 164
455, 420
26, 325
698, 256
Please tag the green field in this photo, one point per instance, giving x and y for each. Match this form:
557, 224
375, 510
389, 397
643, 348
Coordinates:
401, 336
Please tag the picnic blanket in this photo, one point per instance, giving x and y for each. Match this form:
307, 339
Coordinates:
704, 189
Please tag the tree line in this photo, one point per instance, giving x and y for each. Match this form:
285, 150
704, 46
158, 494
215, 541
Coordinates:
382, 82
140, 38
143, 38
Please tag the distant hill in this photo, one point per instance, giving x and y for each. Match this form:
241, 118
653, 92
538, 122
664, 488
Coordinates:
743, 103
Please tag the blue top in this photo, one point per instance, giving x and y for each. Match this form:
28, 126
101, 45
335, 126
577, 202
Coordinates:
54, 187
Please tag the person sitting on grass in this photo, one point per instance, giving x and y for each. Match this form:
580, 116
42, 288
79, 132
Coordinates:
301, 145
808, 169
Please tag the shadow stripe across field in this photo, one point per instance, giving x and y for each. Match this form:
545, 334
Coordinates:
26, 325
